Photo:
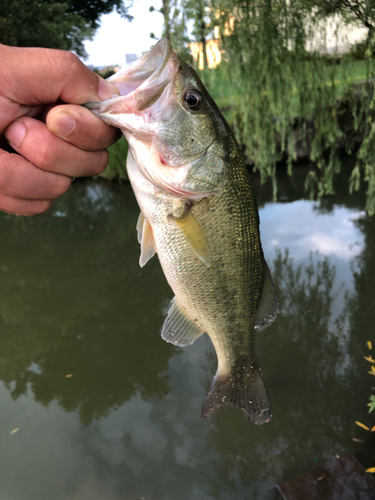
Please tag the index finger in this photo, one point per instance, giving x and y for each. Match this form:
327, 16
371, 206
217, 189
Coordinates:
35, 76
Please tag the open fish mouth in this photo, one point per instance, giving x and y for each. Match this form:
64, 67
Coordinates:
141, 82
148, 67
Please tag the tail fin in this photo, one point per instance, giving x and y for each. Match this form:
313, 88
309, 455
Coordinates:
245, 392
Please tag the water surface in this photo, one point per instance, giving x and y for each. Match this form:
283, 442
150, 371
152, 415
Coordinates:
95, 405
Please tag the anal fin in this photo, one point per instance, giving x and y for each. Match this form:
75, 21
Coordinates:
179, 329
194, 234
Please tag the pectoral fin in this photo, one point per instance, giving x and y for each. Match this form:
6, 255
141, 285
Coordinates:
268, 306
194, 234
179, 329
146, 239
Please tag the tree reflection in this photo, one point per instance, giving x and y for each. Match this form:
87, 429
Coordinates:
292, 187
308, 371
72, 301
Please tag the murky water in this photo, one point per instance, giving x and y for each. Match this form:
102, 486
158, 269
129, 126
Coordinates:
95, 405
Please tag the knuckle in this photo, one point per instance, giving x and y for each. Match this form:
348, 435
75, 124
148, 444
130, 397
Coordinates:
61, 184
35, 207
43, 155
62, 61
98, 163
70, 59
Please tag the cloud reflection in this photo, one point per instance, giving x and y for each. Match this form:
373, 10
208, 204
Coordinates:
302, 229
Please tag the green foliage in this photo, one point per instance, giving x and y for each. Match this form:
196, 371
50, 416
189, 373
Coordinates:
372, 403
30, 23
92, 10
107, 73
277, 83
361, 12
52, 24
116, 168
175, 26
361, 50
196, 10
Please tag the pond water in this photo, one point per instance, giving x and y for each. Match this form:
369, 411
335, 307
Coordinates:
96, 406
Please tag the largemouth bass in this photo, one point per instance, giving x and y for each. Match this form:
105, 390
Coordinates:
198, 213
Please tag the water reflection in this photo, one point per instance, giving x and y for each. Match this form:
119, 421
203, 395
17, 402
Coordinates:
126, 424
67, 306
360, 313
301, 355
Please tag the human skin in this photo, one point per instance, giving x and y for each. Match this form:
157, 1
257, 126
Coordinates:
56, 139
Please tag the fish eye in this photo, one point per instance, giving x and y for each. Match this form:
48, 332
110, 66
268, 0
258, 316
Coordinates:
193, 100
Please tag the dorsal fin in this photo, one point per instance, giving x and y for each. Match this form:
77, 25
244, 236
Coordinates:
268, 307
194, 234
146, 239
179, 328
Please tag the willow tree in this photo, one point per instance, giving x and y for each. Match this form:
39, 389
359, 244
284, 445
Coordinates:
174, 26
197, 11
286, 87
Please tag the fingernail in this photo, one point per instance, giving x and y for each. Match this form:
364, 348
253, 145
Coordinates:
62, 124
15, 133
107, 90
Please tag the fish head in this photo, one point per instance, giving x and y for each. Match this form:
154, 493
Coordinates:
175, 131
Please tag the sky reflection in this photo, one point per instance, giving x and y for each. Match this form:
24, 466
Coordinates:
302, 228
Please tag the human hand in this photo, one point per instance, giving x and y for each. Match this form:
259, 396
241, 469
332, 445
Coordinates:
55, 141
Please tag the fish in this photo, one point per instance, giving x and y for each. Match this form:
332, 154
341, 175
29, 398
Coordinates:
199, 215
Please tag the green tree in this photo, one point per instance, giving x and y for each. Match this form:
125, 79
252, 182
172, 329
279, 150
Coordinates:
197, 11
92, 10
285, 85
28, 23
175, 26
52, 24
361, 12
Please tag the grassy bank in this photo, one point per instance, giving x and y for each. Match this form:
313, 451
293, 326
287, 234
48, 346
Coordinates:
116, 169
